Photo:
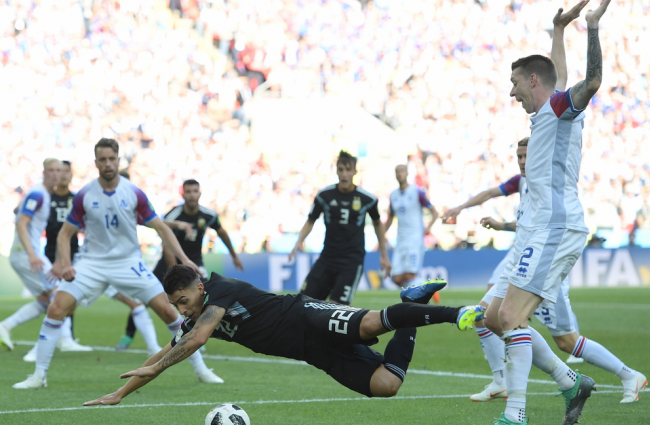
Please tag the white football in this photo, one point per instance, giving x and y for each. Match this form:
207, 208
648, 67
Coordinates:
227, 414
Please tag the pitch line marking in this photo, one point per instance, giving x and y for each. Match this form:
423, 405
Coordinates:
274, 360
244, 403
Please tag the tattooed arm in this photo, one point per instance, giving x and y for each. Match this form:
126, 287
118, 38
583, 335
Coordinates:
194, 339
189, 343
167, 357
560, 21
510, 227
582, 92
132, 384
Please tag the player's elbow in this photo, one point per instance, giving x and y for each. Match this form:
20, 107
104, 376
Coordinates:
593, 86
201, 340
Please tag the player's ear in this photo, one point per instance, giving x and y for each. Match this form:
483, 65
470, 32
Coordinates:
200, 286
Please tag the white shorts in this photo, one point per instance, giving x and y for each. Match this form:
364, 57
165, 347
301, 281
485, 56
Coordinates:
130, 277
36, 283
501, 286
558, 317
111, 293
544, 258
407, 258
498, 271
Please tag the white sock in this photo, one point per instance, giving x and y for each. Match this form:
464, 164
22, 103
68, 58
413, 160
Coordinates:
29, 311
144, 325
519, 350
600, 356
493, 348
66, 329
547, 361
47, 339
195, 359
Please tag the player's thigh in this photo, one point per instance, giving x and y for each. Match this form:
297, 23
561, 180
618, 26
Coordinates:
546, 259
498, 270
36, 283
132, 278
346, 282
335, 323
489, 296
319, 281
351, 365
558, 317
89, 283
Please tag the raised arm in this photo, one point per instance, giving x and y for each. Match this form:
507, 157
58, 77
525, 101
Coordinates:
558, 56
170, 241
472, 202
582, 92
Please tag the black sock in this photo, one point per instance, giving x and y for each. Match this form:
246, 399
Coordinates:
72, 325
409, 315
399, 352
130, 327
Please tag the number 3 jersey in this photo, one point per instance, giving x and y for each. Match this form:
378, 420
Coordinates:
110, 220
345, 219
264, 322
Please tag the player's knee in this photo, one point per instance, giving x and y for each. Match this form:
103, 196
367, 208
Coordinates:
58, 310
387, 386
509, 318
565, 344
491, 322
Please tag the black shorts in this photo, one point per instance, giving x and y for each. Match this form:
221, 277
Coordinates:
160, 270
338, 281
333, 344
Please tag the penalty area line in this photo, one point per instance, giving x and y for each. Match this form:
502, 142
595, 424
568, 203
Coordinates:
244, 403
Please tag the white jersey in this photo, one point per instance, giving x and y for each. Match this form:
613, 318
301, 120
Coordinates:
35, 204
407, 206
110, 220
524, 199
553, 165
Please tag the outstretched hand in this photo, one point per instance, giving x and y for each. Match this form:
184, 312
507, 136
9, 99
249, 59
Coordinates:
593, 16
563, 19
107, 400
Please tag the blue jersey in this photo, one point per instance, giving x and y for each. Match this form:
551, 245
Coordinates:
110, 220
35, 204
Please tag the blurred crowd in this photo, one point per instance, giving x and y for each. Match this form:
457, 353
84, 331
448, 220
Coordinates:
173, 83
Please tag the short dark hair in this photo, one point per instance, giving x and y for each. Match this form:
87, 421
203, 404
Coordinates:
523, 142
107, 143
190, 182
125, 173
539, 65
346, 158
68, 163
178, 277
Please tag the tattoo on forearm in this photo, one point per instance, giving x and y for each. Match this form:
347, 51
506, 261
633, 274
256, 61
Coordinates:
510, 227
173, 357
594, 56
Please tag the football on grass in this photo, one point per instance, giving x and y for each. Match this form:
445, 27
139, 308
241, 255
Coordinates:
227, 414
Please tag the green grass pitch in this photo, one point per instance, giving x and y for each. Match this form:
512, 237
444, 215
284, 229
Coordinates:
274, 392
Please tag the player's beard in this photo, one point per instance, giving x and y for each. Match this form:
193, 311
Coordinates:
109, 179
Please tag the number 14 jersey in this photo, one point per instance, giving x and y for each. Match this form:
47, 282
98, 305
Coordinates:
110, 219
